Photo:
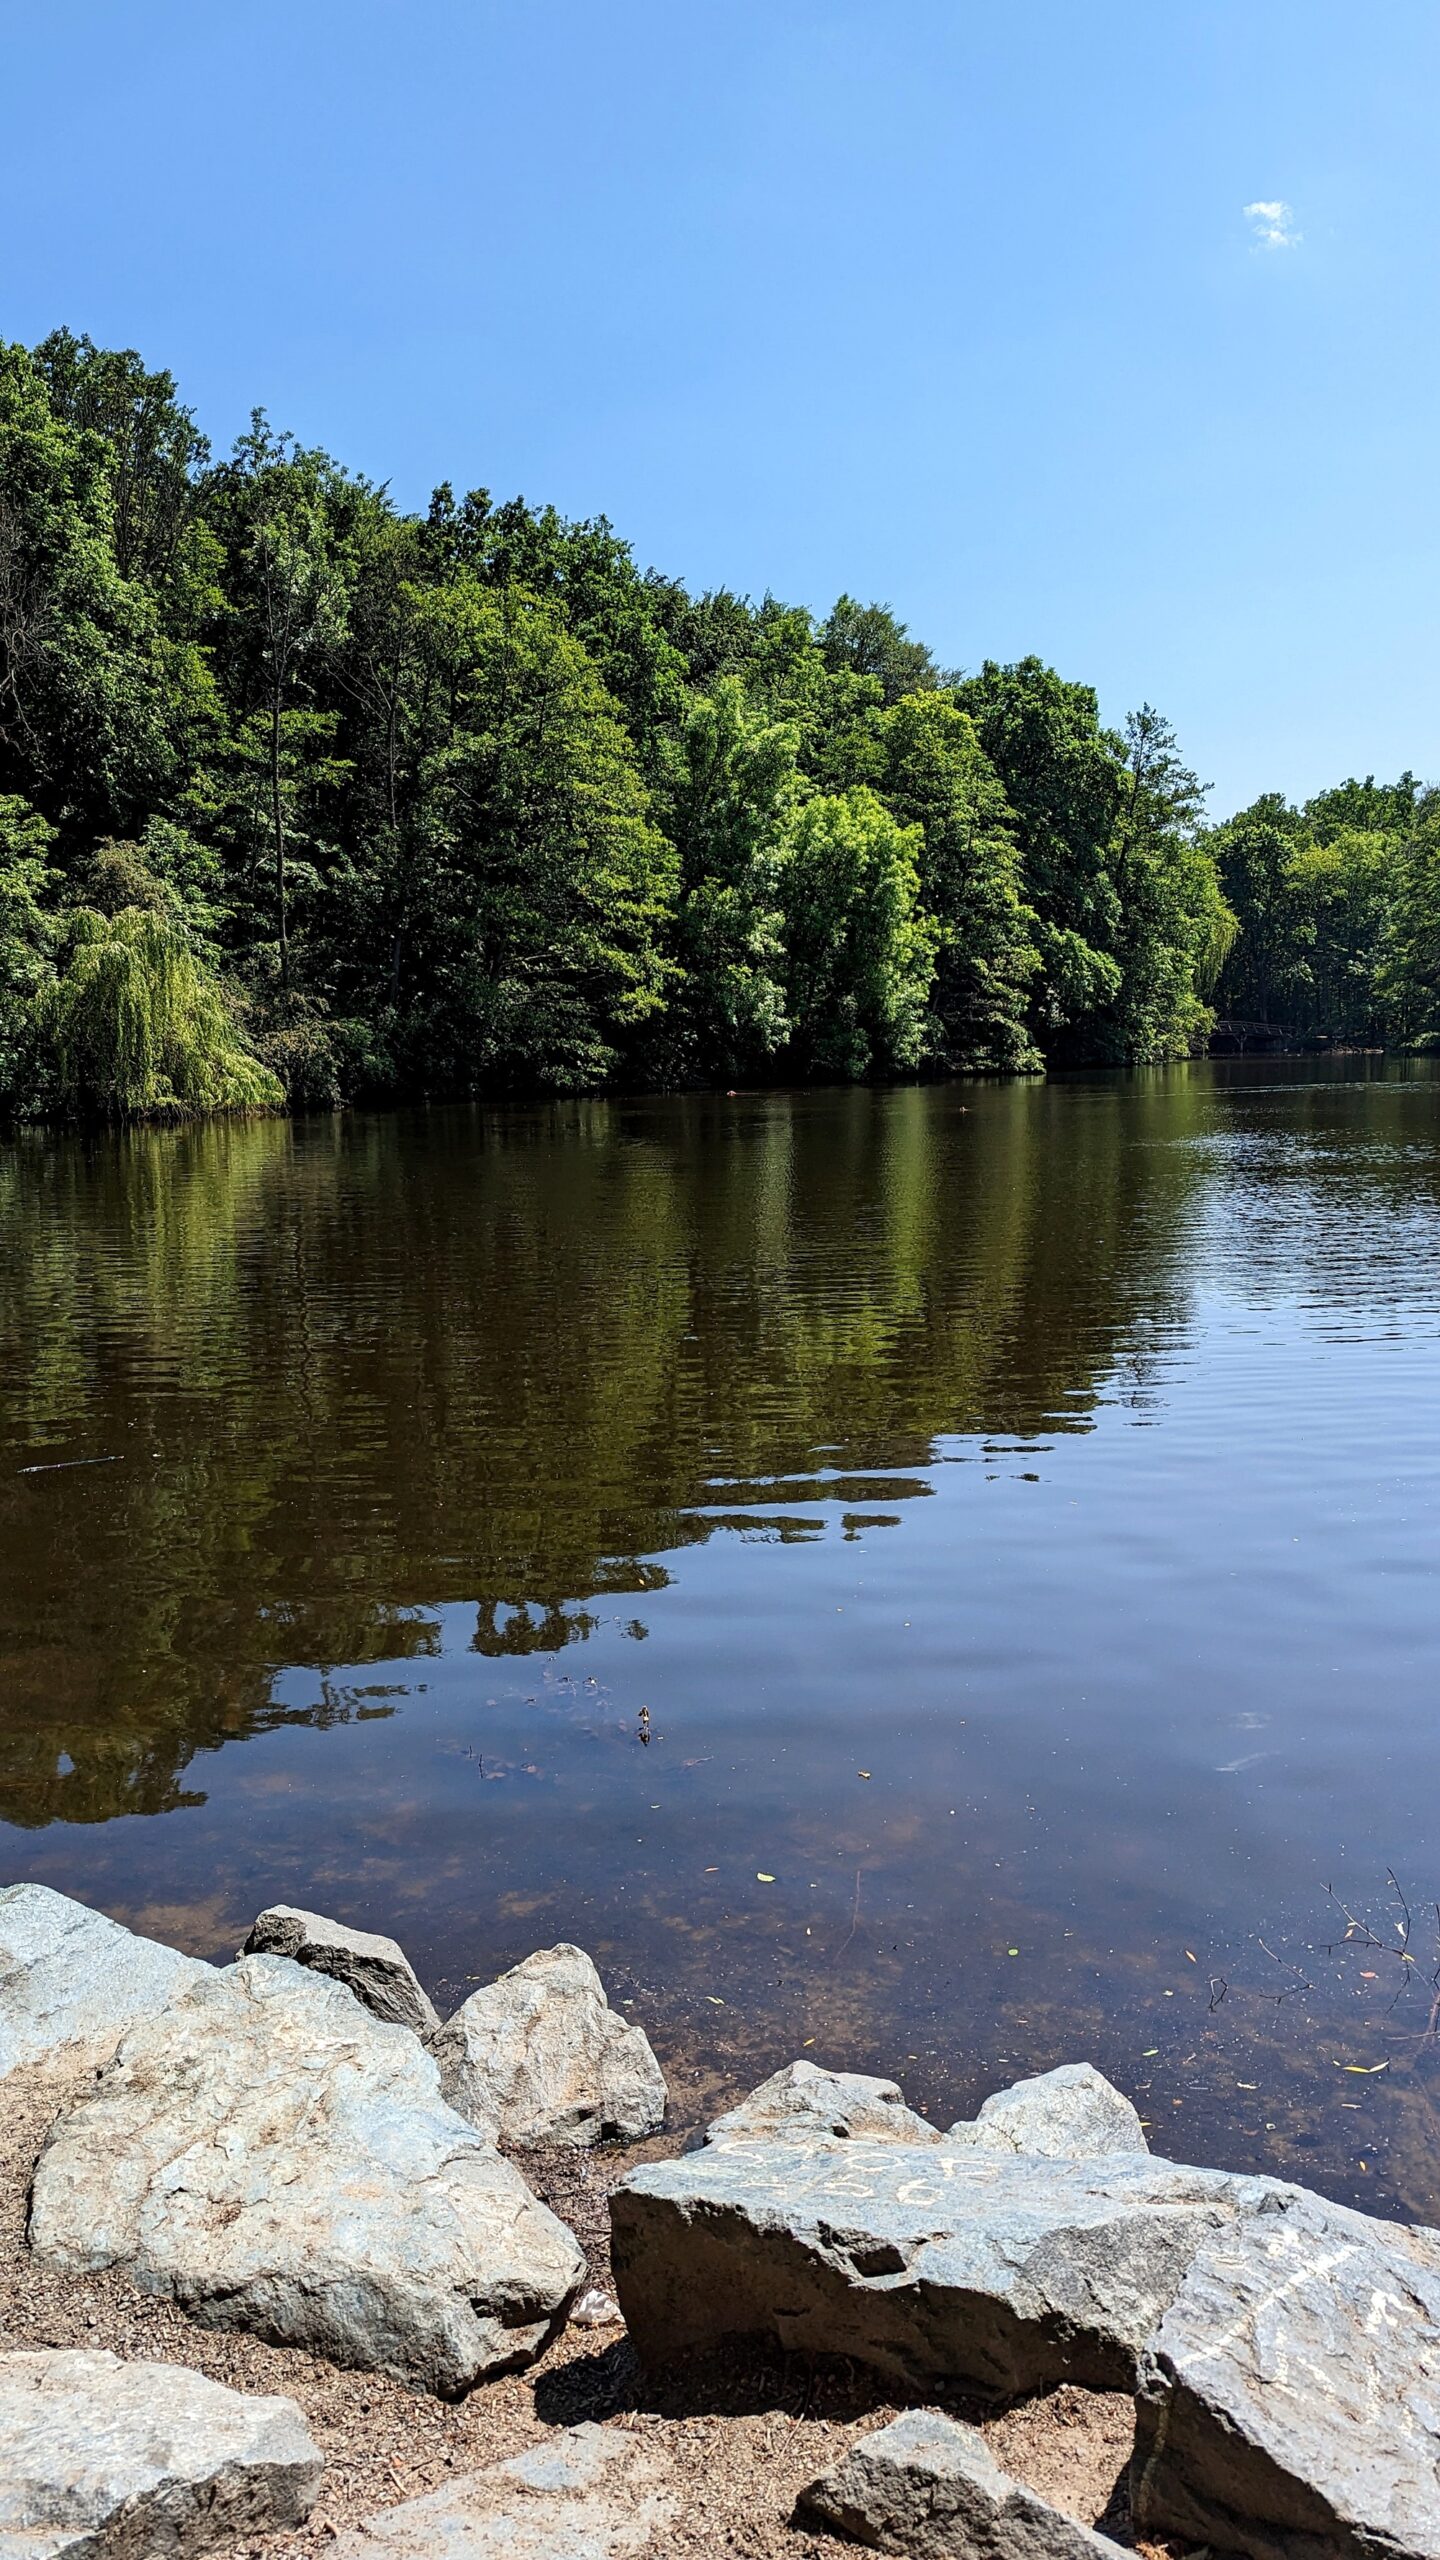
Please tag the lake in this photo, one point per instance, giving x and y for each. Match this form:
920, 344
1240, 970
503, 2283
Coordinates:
943, 1580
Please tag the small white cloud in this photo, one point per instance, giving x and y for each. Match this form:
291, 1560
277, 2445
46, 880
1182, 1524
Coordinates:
1273, 225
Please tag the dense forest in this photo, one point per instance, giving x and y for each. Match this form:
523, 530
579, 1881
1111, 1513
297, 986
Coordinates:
305, 798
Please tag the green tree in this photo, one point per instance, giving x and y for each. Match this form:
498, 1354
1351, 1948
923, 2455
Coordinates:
156, 457
937, 776
1268, 962
28, 886
1174, 925
136, 1024
1064, 778
97, 705
727, 819
537, 913
285, 515
866, 640
1347, 886
1408, 973
860, 950
587, 574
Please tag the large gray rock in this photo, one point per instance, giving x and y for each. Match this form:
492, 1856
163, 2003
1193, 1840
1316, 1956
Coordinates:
1290, 2397
1069, 2114
590, 2493
932, 2264
375, 1969
805, 2104
932, 2489
1286, 2351
101, 2460
274, 2158
541, 2057
71, 1981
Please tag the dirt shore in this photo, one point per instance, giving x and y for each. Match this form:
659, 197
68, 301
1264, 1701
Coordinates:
740, 2438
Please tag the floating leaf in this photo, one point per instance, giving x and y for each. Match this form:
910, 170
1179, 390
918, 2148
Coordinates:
1149, 2053
1189, 1958
712, 1871
807, 2044
714, 2003
762, 1878
1012, 1951
1365, 2070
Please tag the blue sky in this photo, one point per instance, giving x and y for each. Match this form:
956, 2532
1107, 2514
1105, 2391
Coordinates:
953, 305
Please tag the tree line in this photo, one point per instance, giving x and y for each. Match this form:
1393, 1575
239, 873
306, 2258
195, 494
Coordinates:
304, 797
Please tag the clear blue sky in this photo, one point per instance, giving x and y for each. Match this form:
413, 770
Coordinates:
954, 305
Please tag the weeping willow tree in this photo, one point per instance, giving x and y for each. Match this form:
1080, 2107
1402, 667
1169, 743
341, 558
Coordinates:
135, 1024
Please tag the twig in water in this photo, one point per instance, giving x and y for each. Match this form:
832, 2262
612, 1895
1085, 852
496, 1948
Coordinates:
854, 1920
1300, 1985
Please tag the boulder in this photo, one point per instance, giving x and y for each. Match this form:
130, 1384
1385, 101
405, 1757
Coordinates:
931, 2488
272, 2157
1286, 2351
1069, 2114
101, 2460
1290, 2396
375, 1969
72, 1981
589, 2493
804, 2104
541, 2057
930, 2263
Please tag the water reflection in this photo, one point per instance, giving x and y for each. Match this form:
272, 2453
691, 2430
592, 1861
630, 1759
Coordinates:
341, 1371
1002, 1515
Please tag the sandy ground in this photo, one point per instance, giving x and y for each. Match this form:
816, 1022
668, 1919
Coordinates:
740, 2438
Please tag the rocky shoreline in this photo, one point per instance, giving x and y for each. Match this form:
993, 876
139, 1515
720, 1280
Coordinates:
290, 2265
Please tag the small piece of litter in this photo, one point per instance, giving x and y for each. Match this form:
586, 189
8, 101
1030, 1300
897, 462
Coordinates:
596, 2310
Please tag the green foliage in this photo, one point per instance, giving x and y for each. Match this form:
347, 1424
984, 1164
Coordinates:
136, 1024
530, 938
98, 705
465, 801
937, 777
27, 934
727, 817
1408, 977
1064, 777
1175, 927
1254, 853
860, 950
866, 640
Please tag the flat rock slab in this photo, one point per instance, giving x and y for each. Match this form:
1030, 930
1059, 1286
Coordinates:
540, 2057
101, 2460
71, 1980
1290, 2398
590, 2493
375, 1969
932, 2489
929, 2263
274, 2158
1069, 2114
802, 2103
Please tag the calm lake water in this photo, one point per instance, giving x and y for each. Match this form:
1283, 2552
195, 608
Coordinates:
940, 1580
